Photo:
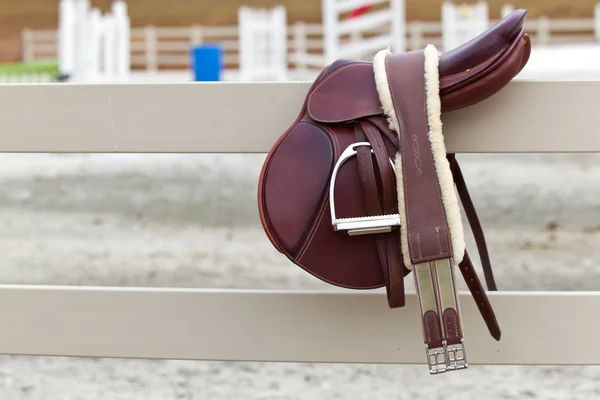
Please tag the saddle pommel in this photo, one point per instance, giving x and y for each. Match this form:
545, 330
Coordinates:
481, 67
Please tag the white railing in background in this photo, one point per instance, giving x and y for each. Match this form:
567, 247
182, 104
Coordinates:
387, 22
39, 45
155, 48
262, 43
279, 325
597, 22
462, 23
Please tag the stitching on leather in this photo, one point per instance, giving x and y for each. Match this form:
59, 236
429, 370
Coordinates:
324, 205
306, 245
326, 79
427, 330
402, 129
455, 321
452, 320
477, 68
402, 126
439, 239
435, 175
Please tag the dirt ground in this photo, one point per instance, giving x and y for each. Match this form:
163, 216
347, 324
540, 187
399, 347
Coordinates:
191, 221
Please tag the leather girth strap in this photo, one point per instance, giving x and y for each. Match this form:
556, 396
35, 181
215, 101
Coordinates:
441, 315
371, 130
431, 234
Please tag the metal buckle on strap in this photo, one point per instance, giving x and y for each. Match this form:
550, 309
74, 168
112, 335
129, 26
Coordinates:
435, 293
446, 358
437, 359
359, 225
456, 356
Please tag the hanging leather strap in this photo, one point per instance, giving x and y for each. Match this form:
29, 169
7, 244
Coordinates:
387, 248
465, 198
479, 296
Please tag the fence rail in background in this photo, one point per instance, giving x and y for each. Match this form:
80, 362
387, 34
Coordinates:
205, 324
154, 48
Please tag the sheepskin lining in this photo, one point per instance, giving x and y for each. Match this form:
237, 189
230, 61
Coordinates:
436, 140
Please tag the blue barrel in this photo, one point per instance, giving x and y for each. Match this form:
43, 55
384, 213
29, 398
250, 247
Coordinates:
207, 62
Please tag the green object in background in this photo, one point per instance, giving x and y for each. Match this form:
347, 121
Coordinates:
43, 67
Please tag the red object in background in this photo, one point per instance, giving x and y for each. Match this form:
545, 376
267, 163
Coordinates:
358, 11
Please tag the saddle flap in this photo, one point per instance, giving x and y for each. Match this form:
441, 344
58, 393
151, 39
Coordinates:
346, 94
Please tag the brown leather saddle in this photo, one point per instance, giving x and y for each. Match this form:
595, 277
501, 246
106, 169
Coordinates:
359, 191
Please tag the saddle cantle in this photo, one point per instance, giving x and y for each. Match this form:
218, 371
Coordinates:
359, 191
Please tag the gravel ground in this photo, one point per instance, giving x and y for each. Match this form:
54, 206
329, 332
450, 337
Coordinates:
191, 221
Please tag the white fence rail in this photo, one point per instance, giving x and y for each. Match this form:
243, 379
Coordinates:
262, 325
154, 48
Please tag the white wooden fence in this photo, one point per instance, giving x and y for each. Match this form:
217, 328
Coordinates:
154, 48
264, 325
388, 22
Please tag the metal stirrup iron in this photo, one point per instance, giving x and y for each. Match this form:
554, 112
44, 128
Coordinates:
358, 225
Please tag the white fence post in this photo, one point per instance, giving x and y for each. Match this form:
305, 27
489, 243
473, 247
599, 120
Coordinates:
196, 36
448, 25
66, 37
262, 43
279, 43
398, 25
462, 23
506, 9
122, 50
300, 46
415, 35
543, 30
151, 42
27, 44
91, 46
392, 17
330, 35
82, 8
96, 28
597, 22
108, 40
246, 43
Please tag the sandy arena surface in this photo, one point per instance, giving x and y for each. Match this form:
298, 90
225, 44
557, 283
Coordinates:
191, 221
